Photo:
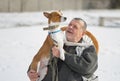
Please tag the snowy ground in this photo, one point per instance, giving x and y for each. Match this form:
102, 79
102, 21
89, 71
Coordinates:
21, 36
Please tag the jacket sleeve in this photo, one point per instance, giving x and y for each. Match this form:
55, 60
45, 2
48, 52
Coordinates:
84, 64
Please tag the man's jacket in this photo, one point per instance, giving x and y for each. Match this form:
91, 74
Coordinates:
79, 62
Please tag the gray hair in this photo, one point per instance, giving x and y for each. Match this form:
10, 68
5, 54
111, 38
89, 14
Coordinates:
80, 19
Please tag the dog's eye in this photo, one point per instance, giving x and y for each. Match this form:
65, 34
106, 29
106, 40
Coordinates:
57, 15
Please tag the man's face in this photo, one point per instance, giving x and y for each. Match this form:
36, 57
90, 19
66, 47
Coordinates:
74, 31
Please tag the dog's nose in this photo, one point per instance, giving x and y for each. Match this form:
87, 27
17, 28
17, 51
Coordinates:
65, 18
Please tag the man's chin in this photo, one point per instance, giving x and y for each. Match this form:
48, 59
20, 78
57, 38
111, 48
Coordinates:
69, 39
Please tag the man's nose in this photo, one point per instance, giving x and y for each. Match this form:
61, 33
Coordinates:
71, 26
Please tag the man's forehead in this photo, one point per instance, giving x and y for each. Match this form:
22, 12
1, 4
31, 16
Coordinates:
78, 23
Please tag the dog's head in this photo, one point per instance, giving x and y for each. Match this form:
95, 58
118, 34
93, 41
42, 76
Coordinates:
54, 17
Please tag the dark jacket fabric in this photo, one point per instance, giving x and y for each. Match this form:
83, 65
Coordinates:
74, 66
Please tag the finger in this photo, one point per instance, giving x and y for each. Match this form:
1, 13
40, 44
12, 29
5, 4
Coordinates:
33, 75
33, 79
55, 48
56, 45
32, 71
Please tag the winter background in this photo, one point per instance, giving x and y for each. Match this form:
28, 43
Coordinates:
21, 36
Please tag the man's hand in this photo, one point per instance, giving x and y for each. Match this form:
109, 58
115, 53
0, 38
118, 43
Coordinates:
55, 51
33, 75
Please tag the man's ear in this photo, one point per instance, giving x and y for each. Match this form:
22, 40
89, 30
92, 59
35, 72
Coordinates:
46, 14
83, 33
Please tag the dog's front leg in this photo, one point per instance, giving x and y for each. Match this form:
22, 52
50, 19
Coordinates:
60, 45
43, 68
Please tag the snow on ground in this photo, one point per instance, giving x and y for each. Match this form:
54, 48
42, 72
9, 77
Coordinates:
21, 36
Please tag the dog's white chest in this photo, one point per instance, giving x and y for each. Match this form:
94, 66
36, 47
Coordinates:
57, 36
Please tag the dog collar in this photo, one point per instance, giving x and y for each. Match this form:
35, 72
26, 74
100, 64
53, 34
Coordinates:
50, 27
54, 32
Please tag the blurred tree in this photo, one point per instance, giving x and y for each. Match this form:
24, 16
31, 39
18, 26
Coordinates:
114, 4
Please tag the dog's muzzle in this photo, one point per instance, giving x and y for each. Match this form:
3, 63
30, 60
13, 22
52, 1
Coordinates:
63, 19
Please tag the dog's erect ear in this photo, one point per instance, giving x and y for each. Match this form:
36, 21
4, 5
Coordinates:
59, 11
46, 14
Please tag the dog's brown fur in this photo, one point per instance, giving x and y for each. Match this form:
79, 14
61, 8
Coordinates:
45, 49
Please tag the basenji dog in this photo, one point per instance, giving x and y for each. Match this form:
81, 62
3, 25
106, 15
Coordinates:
55, 37
55, 32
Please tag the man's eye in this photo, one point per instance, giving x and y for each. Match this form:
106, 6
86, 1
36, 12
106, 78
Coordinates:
69, 25
75, 27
